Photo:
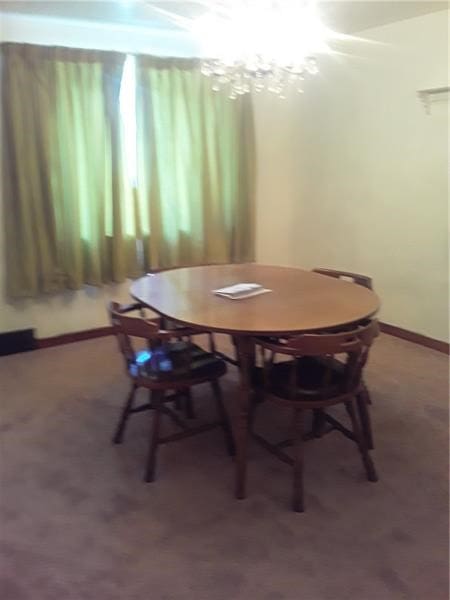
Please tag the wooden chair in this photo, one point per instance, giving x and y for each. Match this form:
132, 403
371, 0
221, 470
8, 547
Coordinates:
363, 280
309, 380
165, 363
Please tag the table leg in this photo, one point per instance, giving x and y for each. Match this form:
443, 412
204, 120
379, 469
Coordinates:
246, 353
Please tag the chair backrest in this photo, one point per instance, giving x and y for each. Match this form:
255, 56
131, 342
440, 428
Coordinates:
357, 278
353, 345
127, 327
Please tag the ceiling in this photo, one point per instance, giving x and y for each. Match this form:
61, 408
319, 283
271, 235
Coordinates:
341, 15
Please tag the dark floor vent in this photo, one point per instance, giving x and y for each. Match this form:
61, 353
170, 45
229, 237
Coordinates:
13, 342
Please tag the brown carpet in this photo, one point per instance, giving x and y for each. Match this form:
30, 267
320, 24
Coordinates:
78, 523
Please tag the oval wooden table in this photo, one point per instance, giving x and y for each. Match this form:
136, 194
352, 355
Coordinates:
300, 301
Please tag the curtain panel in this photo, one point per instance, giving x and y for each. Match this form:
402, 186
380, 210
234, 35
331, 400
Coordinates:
61, 169
73, 216
195, 151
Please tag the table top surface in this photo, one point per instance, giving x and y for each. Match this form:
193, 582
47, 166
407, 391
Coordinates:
299, 301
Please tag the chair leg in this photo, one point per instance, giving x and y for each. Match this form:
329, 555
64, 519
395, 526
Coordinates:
318, 424
364, 416
254, 401
367, 395
118, 435
190, 413
154, 439
223, 417
212, 343
361, 442
236, 351
297, 495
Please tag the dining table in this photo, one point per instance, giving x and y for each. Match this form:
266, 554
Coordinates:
299, 301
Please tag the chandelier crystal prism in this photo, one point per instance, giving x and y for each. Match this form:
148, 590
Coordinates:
259, 44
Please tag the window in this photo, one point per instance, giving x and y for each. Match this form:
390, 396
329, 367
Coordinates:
128, 118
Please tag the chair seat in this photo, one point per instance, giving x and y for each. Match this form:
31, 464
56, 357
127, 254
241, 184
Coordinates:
176, 361
311, 372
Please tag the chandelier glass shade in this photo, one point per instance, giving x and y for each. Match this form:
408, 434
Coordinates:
259, 44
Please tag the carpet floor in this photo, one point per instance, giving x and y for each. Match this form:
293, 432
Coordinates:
78, 523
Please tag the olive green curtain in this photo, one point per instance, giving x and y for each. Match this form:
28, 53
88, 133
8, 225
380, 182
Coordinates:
62, 171
194, 198
73, 214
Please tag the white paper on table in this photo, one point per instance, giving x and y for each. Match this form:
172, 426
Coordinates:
239, 291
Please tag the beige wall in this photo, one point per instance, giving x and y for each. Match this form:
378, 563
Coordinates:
352, 174
373, 170
277, 180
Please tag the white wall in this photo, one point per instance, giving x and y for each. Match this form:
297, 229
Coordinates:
373, 170
277, 179
351, 174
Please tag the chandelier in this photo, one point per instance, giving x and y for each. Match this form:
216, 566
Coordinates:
258, 44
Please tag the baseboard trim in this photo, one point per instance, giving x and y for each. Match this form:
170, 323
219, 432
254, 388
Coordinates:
76, 336
89, 334
416, 338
